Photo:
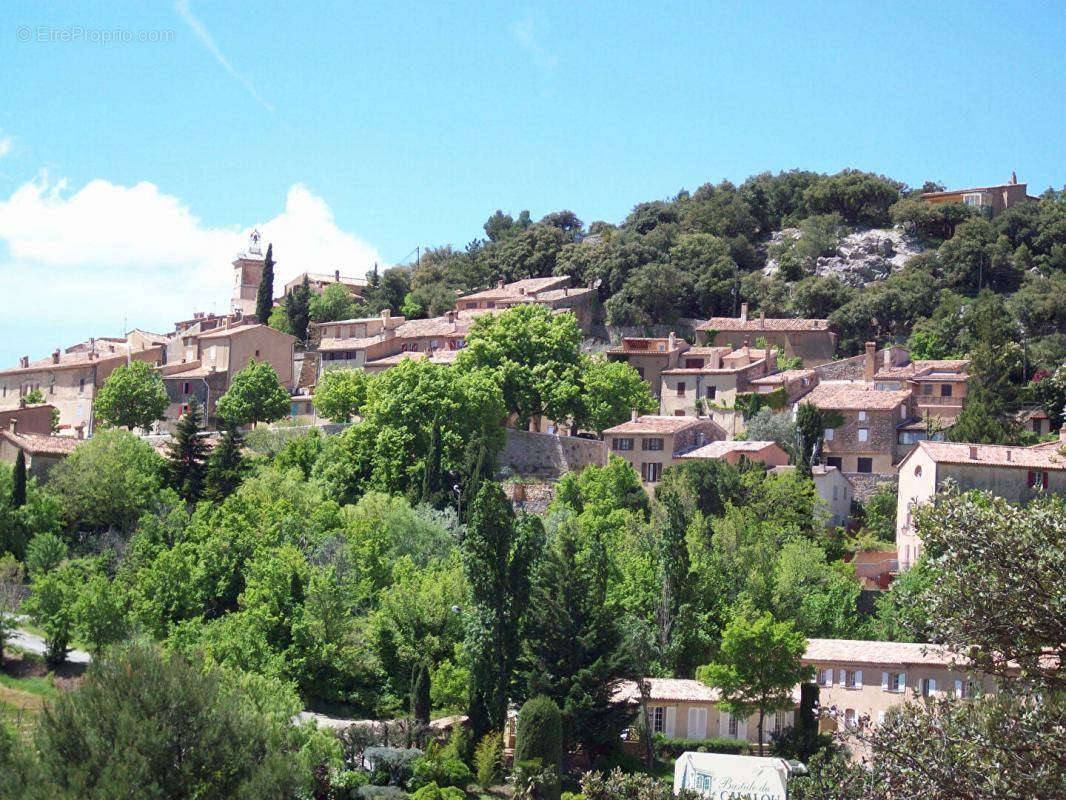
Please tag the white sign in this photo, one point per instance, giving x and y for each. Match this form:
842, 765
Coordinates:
724, 777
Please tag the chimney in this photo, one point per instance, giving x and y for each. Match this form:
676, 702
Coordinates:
762, 316
92, 355
24, 361
672, 341
499, 283
451, 316
521, 290
13, 425
743, 312
79, 429
888, 358
337, 275
386, 313
870, 365
1013, 178
55, 356
746, 342
973, 452
633, 415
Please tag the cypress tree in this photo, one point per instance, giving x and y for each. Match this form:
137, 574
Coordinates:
18, 488
420, 701
298, 309
225, 465
187, 453
434, 489
264, 299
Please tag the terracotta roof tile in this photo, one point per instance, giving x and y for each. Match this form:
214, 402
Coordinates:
652, 423
677, 689
756, 324
515, 289
858, 396
720, 449
853, 651
994, 455
40, 444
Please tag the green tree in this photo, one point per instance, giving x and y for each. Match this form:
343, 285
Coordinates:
99, 614
758, 667
225, 465
107, 482
45, 552
134, 711
298, 309
533, 354
488, 760
133, 396
51, 607
18, 482
573, 650
11, 593
255, 395
186, 454
811, 423
33, 398
279, 318
333, 303
420, 694
499, 554
264, 296
341, 394
539, 734
609, 392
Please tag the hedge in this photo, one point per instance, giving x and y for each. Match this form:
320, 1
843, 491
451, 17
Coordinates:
672, 748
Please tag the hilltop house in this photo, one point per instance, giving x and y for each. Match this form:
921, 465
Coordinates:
990, 199
554, 293
376, 343
807, 339
69, 379
650, 443
1016, 474
650, 357
318, 281
42, 451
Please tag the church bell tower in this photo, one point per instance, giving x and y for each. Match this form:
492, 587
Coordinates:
248, 274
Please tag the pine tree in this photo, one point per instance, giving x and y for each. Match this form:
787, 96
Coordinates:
187, 453
298, 309
225, 465
420, 701
264, 299
18, 487
574, 651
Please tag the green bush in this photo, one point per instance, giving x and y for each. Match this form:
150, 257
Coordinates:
345, 785
381, 793
539, 735
672, 748
436, 768
433, 792
488, 760
391, 765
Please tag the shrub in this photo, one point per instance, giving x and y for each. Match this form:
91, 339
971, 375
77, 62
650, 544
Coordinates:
441, 770
539, 736
488, 760
391, 765
433, 792
382, 793
534, 781
345, 784
672, 748
616, 784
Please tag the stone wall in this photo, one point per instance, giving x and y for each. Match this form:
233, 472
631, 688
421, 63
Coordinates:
545, 455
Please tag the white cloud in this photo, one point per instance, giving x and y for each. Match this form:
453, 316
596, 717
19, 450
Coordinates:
208, 41
5, 146
106, 252
524, 32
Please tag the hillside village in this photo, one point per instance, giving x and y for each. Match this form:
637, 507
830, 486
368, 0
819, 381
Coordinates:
659, 429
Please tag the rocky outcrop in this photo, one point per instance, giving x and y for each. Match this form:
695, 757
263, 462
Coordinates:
861, 257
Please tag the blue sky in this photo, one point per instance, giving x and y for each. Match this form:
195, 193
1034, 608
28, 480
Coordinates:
131, 171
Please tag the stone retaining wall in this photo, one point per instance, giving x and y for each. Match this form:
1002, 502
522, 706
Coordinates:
545, 455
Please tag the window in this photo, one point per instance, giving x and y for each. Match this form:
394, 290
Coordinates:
945, 390
433, 344
651, 471
780, 721
836, 491
918, 471
81, 385
734, 727
619, 443
693, 363
825, 678
640, 371
865, 466
257, 354
1037, 478
681, 389
185, 388
864, 434
862, 416
829, 434
184, 409
852, 678
927, 687
652, 444
927, 388
658, 719
835, 461
704, 782
679, 412
962, 689
894, 681
711, 391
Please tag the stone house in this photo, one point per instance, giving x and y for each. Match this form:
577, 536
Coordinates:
732, 452
376, 343
866, 442
794, 382
835, 490
41, 451
554, 292
650, 357
69, 379
1017, 474
939, 387
318, 281
212, 359
708, 381
992, 200
650, 443
29, 419
807, 339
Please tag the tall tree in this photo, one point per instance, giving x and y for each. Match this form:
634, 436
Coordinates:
298, 309
18, 481
264, 298
434, 485
573, 649
341, 394
256, 395
811, 423
758, 667
133, 396
225, 465
498, 555
186, 454
420, 693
